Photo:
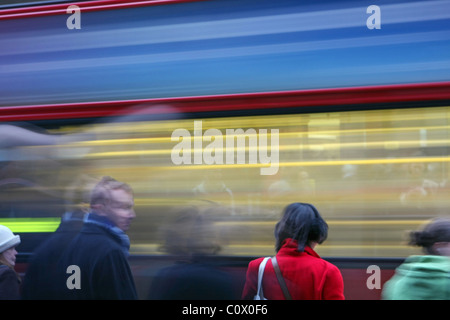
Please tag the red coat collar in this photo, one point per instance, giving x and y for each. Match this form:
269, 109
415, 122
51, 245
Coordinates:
290, 247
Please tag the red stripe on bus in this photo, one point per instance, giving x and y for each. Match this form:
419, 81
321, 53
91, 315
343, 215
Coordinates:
55, 9
232, 102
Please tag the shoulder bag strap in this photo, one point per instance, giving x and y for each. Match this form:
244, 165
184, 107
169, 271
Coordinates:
286, 293
262, 266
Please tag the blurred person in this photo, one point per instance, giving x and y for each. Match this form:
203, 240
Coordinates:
421, 192
101, 249
9, 279
194, 276
293, 182
39, 282
213, 189
424, 277
306, 274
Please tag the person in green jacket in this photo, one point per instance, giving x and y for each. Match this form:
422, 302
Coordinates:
424, 277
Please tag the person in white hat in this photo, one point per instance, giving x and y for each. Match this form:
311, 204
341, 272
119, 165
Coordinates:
9, 279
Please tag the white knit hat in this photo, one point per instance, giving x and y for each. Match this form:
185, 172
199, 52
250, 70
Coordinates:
7, 239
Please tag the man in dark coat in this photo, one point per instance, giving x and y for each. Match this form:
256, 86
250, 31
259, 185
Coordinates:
90, 263
95, 265
39, 282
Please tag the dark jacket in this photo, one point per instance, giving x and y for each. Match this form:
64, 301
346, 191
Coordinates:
193, 280
9, 284
307, 276
100, 252
39, 282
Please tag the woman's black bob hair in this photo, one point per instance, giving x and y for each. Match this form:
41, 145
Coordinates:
301, 222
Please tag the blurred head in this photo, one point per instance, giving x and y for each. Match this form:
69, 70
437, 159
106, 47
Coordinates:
191, 232
114, 200
434, 238
303, 223
77, 195
8, 243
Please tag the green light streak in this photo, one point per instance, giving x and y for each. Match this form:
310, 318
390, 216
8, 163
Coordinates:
28, 225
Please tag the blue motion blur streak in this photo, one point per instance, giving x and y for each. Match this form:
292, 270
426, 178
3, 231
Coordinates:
221, 47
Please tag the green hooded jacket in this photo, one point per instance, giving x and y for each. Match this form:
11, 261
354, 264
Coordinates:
420, 278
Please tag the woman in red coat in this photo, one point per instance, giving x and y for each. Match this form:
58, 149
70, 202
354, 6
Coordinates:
307, 276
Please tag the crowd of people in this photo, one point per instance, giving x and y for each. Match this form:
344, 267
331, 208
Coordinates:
89, 252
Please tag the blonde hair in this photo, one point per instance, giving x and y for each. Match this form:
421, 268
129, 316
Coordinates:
3, 261
101, 193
